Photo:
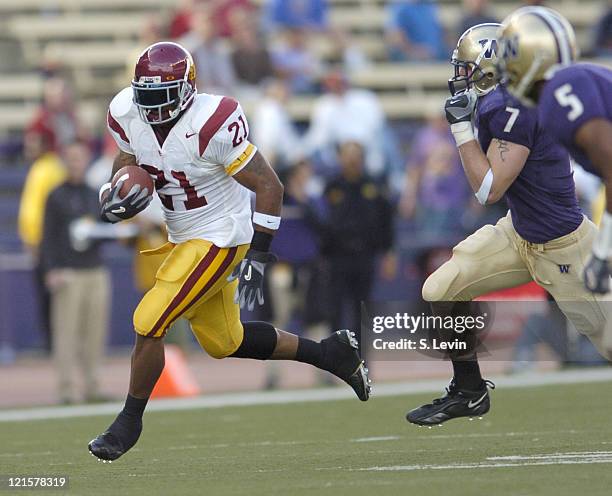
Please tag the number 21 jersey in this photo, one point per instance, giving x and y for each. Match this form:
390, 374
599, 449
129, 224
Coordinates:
193, 168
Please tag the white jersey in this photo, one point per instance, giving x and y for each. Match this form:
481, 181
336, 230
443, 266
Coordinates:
193, 168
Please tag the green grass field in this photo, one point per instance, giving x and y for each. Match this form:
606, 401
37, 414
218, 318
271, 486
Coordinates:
536, 441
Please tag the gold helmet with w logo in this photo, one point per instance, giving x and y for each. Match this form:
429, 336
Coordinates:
475, 60
534, 41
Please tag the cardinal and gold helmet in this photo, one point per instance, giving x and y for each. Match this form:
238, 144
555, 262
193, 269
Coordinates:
534, 41
475, 60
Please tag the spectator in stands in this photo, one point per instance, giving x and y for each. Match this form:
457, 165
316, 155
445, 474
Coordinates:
414, 32
79, 284
100, 170
180, 23
224, 12
357, 228
151, 31
294, 61
272, 128
47, 172
296, 244
474, 12
55, 123
435, 188
603, 34
343, 114
303, 14
344, 49
250, 56
214, 70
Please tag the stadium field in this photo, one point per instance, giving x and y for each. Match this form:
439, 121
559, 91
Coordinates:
546, 440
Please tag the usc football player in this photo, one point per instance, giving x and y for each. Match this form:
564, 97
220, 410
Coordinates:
196, 147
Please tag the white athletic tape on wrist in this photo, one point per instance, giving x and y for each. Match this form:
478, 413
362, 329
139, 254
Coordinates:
482, 195
103, 189
267, 221
602, 246
462, 132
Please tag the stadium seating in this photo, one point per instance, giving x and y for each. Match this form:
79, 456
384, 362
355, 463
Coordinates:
94, 39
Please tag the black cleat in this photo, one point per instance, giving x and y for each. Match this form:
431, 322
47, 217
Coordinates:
341, 358
106, 447
120, 437
456, 403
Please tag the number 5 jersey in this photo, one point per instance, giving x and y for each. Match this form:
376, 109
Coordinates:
193, 168
571, 97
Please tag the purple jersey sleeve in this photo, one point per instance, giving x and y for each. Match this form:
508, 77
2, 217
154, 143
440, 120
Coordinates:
570, 99
514, 124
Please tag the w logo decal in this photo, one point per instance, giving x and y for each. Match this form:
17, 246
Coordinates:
564, 269
489, 48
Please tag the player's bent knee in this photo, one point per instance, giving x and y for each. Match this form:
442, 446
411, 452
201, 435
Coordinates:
437, 286
219, 343
259, 341
147, 314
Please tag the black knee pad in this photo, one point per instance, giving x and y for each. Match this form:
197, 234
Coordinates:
258, 342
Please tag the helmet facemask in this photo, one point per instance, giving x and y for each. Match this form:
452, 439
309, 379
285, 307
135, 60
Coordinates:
474, 60
160, 102
467, 75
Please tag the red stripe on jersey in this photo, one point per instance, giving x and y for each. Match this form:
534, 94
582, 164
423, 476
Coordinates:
114, 125
226, 107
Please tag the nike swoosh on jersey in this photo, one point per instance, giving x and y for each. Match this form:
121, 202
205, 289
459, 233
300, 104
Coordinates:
187, 135
472, 404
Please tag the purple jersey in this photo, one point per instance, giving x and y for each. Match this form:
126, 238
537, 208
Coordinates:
542, 199
572, 97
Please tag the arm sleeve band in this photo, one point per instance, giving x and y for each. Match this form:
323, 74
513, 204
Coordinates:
482, 195
602, 246
267, 221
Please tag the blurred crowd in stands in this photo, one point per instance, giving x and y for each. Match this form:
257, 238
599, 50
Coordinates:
372, 204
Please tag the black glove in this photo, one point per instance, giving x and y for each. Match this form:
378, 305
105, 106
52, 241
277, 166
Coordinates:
115, 209
459, 108
597, 275
250, 275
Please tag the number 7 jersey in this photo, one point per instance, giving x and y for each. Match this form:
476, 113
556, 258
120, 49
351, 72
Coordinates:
193, 168
542, 198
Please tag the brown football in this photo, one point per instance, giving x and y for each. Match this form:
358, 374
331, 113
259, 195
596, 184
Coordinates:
133, 175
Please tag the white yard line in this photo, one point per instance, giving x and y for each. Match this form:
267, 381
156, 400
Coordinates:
603, 374
571, 458
375, 439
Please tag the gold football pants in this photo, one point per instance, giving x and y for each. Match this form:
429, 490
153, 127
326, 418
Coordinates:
192, 283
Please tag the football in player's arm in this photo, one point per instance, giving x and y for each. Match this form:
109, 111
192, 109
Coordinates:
196, 148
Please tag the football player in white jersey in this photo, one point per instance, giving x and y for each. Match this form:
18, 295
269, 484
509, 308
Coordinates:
196, 147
